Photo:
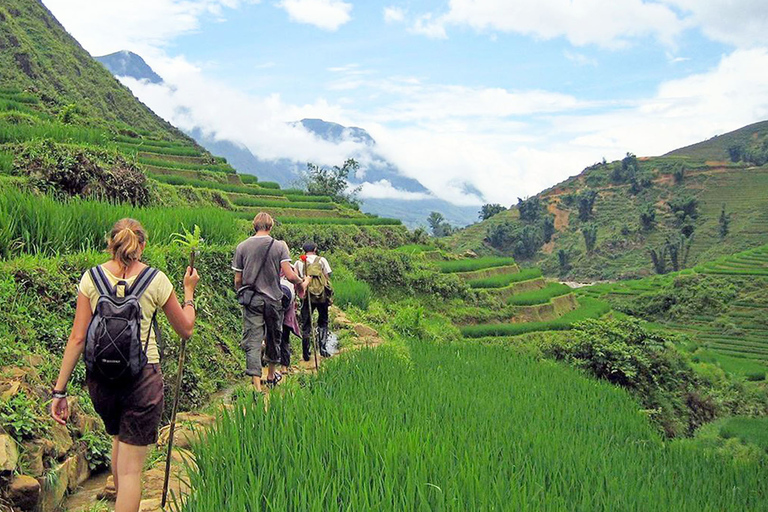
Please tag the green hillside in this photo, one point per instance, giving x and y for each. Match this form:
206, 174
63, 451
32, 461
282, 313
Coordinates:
640, 205
477, 383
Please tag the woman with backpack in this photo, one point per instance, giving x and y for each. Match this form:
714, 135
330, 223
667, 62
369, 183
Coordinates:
115, 326
318, 297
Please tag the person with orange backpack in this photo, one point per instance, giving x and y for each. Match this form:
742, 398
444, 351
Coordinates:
318, 297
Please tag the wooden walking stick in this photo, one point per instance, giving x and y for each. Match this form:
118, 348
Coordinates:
191, 241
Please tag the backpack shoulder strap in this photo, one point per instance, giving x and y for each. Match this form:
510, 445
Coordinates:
100, 281
263, 262
142, 282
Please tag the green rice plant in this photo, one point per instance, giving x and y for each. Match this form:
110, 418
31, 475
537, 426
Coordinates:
415, 248
269, 184
541, 296
588, 308
414, 427
248, 179
135, 149
348, 291
751, 430
502, 280
35, 224
276, 203
54, 131
226, 168
310, 199
6, 162
470, 265
226, 187
341, 221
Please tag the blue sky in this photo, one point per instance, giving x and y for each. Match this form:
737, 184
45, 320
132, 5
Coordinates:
507, 96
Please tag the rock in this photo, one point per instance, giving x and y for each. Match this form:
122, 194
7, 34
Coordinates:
78, 471
24, 492
363, 331
150, 505
34, 361
9, 389
108, 493
470, 254
195, 417
32, 458
9, 453
341, 320
54, 488
62, 441
183, 436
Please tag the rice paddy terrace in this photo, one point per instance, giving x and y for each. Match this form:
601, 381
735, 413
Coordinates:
526, 302
736, 335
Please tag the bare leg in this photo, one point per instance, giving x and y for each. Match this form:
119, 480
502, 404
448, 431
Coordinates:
256, 380
271, 371
115, 451
129, 467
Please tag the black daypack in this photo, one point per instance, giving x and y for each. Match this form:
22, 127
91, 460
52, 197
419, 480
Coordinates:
113, 348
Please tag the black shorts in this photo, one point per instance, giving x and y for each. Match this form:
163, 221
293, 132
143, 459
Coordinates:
131, 412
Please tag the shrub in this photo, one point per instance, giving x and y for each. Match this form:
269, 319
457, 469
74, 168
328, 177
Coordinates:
502, 280
539, 296
469, 265
382, 269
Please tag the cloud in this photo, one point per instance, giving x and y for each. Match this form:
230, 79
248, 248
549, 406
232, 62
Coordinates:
742, 23
580, 59
394, 14
139, 25
607, 23
324, 14
383, 189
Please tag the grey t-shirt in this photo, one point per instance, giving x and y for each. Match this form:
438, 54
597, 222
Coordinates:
249, 257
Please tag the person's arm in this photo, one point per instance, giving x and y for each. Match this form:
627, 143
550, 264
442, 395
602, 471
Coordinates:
72, 353
238, 280
293, 277
183, 319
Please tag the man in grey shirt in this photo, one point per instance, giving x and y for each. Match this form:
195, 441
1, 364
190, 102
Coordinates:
257, 264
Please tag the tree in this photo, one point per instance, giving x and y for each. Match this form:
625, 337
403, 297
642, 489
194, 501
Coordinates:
563, 258
547, 229
439, 225
501, 235
725, 222
530, 209
678, 250
527, 242
489, 210
590, 236
333, 182
737, 151
586, 202
648, 217
679, 174
685, 208
659, 259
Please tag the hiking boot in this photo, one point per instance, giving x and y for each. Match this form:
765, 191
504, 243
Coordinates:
322, 339
305, 349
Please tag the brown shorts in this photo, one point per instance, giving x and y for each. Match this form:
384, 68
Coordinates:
131, 412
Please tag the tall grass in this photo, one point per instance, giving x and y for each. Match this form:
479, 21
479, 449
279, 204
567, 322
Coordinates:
249, 179
310, 199
54, 131
41, 225
270, 203
270, 184
502, 280
588, 308
6, 162
348, 291
135, 149
341, 221
541, 296
171, 164
445, 426
172, 179
470, 265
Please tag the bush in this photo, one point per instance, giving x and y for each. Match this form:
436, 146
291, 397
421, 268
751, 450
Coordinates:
382, 269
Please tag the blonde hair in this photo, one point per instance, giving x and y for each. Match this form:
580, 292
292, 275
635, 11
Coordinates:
263, 222
126, 240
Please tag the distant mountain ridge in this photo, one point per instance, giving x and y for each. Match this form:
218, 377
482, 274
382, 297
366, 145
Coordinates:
125, 63
287, 172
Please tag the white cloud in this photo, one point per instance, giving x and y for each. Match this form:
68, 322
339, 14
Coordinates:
580, 59
139, 25
324, 14
394, 14
383, 189
608, 23
742, 23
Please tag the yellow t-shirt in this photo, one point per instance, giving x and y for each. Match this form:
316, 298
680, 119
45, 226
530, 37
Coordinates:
156, 295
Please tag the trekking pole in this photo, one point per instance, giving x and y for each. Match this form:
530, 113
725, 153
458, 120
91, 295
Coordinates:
312, 330
172, 430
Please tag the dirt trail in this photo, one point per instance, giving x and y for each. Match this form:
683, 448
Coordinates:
190, 426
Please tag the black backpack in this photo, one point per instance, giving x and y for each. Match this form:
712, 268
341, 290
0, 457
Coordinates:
113, 351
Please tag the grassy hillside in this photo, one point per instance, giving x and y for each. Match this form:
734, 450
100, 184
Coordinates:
40, 59
633, 212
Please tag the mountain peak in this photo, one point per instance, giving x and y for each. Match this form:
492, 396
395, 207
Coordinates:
127, 63
334, 132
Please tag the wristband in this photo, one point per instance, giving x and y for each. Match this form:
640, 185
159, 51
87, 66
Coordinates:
189, 303
58, 394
